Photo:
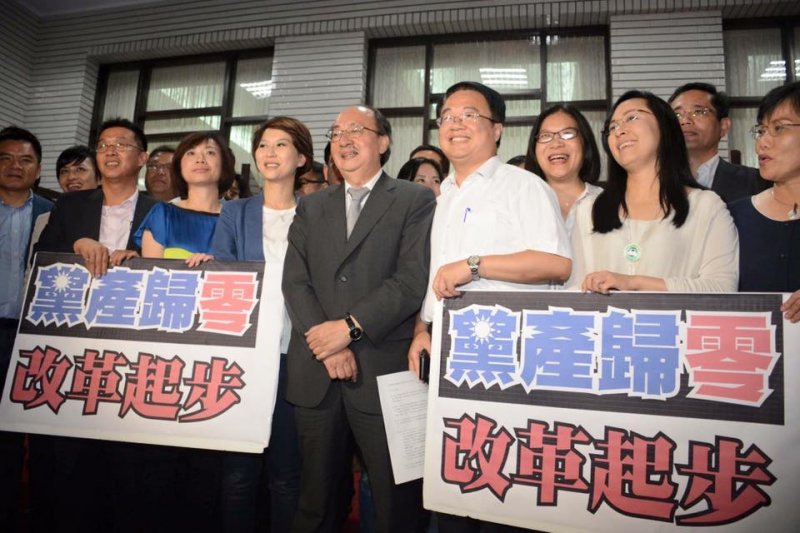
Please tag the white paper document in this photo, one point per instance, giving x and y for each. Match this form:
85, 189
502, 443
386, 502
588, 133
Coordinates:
404, 401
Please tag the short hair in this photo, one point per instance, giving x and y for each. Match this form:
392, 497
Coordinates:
429, 147
785, 93
75, 155
316, 169
516, 160
672, 161
301, 139
119, 122
720, 100
15, 133
163, 149
409, 170
497, 106
227, 172
590, 169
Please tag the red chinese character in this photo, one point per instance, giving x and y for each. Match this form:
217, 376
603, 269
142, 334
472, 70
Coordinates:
96, 379
730, 357
727, 481
475, 457
213, 386
632, 474
152, 390
226, 301
40, 382
548, 459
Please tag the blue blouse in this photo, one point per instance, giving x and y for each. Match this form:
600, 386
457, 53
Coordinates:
182, 232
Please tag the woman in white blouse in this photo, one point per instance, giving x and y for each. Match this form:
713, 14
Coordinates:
653, 228
563, 152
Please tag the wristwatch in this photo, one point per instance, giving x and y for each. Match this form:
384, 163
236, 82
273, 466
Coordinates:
355, 332
474, 262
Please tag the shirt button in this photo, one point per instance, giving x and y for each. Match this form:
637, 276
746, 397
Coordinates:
343, 278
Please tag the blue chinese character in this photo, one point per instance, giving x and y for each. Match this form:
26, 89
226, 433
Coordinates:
170, 300
640, 354
114, 298
483, 346
557, 350
58, 296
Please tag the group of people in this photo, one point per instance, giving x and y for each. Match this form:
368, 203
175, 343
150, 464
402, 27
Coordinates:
366, 257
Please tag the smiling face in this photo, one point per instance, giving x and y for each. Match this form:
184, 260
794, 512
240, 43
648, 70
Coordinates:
120, 165
19, 167
357, 157
779, 157
427, 176
560, 160
468, 144
634, 144
78, 176
276, 156
202, 164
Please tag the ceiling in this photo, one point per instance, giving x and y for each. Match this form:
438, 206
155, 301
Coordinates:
48, 8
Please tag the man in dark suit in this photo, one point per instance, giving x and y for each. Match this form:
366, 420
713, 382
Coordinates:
704, 116
20, 165
99, 224
355, 275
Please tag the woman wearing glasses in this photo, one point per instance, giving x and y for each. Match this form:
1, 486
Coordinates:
769, 222
653, 228
257, 229
563, 152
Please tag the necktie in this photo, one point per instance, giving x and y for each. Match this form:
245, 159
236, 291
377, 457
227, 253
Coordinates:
356, 195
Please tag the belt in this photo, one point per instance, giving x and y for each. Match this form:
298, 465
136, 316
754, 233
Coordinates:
9, 323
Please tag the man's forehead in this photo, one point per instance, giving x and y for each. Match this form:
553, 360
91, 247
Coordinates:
466, 98
117, 133
694, 97
356, 115
16, 146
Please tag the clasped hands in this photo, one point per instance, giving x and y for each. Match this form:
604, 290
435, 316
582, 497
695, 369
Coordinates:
329, 343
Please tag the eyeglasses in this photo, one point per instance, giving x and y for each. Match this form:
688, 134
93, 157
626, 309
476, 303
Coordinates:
633, 116
774, 129
466, 116
565, 135
696, 113
355, 131
119, 147
156, 167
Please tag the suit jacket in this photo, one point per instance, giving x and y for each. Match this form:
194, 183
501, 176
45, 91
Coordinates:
41, 206
732, 182
77, 215
238, 236
379, 275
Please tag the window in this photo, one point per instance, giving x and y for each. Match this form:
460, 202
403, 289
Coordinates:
531, 70
756, 58
229, 93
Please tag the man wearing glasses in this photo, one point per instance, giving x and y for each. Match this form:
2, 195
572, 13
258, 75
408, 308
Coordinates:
99, 224
496, 226
354, 277
159, 181
703, 114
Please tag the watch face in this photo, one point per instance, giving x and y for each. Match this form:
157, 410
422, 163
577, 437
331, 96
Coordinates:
355, 333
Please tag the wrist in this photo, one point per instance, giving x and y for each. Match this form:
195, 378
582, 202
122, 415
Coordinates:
354, 329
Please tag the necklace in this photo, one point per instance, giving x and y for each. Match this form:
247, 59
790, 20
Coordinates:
792, 213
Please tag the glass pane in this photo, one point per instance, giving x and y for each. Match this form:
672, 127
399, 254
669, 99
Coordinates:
240, 142
739, 138
253, 87
523, 108
399, 77
121, 94
596, 120
576, 68
753, 61
186, 86
797, 52
514, 141
503, 65
189, 124
406, 135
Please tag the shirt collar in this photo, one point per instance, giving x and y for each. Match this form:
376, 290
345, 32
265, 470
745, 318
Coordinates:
369, 185
28, 200
706, 171
484, 172
127, 203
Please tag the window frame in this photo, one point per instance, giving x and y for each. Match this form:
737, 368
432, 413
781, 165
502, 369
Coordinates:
431, 100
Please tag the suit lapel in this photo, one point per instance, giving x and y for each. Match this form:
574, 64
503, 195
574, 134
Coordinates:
94, 214
336, 218
378, 202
